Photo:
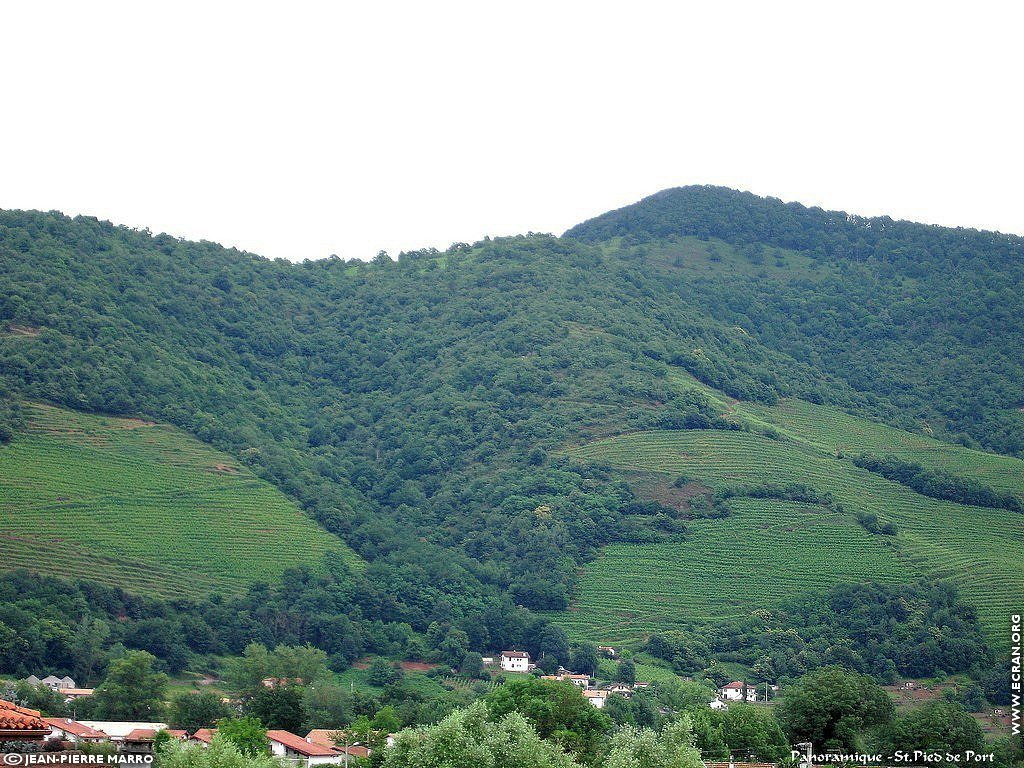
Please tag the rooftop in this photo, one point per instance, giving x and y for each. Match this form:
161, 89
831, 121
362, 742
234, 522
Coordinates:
300, 745
81, 730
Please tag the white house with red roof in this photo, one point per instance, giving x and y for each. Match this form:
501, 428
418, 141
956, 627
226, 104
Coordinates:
203, 736
67, 729
515, 661
737, 690
287, 745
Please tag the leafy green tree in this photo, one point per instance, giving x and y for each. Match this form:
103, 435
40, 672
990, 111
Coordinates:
48, 701
644, 748
278, 707
936, 726
475, 737
222, 753
832, 707
382, 672
626, 671
247, 734
132, 690
472, 665
454, 647
583, 659
750, 730
326, 705
555, 709
194, 710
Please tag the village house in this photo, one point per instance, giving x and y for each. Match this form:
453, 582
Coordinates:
607, 651
718, 705
620, 688
596, 698
53, 682
336, 739
203, 736
734, 691
581, 681
515, 661
18, 724
139, 741
119, 731
70, 730
287, 745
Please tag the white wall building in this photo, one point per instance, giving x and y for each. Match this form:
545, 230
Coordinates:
515, 661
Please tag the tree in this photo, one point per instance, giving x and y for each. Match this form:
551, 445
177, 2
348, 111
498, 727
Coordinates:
472, 665
626, 671
938, 726
90, 637
278, 707
247, 734
644, 748
831, 707
222, 753
476, 737
48, 701
555, 709
132, 690
749, 730
583, 659
326, 705
454, 647
195, 710
382, 672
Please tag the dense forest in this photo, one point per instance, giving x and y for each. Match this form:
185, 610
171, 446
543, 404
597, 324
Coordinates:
418, 407
921, 324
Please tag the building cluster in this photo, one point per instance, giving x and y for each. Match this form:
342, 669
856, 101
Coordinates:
19, 724
65, 686
519, 661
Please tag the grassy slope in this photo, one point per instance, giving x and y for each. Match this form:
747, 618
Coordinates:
791, 548
145, 507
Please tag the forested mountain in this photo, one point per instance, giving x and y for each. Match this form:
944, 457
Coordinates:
421, 408
921, 323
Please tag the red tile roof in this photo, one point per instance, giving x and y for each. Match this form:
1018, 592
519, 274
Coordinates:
204, 735
74, 727
15, 718
300, 745
355, 750
515, 655
141, 734
323, 736
733, 684
178, 734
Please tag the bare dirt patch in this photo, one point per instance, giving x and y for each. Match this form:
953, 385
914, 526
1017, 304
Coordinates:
417, 666
655, 488
28, 331
225, 469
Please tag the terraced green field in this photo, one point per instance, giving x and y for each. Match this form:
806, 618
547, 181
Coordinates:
145, 507
770, 549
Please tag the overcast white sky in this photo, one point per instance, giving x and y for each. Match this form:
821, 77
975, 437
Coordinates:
298, 130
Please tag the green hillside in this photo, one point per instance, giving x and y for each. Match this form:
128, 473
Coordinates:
420, 408
769, 550
145, 507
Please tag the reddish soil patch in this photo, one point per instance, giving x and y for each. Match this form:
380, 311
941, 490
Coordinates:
655, 488
30, 331
363, 663
225, 469
417, 666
